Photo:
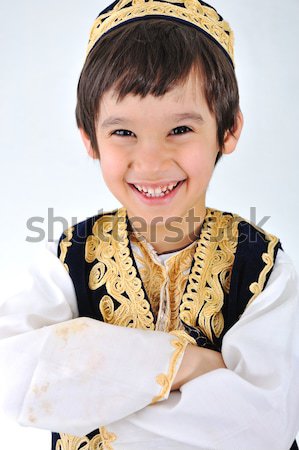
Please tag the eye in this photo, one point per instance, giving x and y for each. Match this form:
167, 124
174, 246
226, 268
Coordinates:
122, 133
127, 133
181, 130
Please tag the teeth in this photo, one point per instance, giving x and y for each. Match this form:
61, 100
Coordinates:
158, 192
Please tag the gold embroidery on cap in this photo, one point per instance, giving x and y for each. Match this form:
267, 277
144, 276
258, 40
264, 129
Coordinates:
191, 11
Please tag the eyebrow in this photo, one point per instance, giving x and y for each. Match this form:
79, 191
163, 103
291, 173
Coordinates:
111, 120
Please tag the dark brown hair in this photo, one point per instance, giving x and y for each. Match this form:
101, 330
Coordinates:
151, 56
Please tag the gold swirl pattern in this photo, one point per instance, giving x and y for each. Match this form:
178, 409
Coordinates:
154, 275
68, 442
165, 380
211, 273
179, 270
268, 258
64, 245
190, 11
182, 334
109, 246
201, 305
107, 438
102, 441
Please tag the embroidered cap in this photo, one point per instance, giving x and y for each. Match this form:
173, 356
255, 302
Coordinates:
195, 13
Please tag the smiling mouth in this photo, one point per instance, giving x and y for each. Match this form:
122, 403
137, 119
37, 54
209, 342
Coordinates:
163, 194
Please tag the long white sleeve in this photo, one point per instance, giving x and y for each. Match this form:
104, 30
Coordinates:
70, 374
254, 404
53, 375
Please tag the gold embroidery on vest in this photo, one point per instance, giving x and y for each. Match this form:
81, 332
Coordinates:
68, 442
165, 380
211, 273
151, 274
268, 258
107, 439
178, 280
65, 244
154, 275
101, 441
201, 305
182, 334
109, 245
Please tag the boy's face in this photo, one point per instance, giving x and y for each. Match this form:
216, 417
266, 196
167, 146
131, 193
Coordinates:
150, 145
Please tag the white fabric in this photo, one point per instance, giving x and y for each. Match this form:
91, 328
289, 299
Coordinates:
254, 404
70, 374
52, 374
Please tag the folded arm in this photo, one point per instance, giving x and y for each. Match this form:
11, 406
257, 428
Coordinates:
254, 403
70, 374
82, 373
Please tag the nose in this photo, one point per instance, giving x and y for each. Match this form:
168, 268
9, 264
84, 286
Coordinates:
151, 157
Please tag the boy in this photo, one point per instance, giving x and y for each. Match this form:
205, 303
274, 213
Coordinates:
184, 359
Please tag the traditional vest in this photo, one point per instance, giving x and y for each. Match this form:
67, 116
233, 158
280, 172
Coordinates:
229, 266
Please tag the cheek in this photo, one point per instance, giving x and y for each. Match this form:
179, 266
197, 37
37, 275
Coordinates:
200, 164
113, 167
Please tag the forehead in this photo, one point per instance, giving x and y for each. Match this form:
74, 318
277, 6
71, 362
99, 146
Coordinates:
183, 94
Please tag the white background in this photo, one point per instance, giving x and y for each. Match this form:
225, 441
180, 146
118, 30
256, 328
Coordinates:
44, 165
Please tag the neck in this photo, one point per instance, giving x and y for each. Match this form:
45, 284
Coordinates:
169, 237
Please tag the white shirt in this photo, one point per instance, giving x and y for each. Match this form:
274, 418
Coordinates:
72, 375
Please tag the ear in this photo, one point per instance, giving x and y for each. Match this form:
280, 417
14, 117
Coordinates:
87, 143
231, 138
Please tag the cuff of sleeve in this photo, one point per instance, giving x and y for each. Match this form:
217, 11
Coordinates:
180, 340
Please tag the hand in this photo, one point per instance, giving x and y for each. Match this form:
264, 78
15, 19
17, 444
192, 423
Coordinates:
196, 361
